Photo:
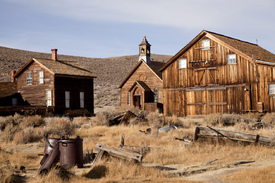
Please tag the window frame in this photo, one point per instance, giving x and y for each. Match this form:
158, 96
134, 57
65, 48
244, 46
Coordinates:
129, 98
48, 97
81, 100
271, 91
67, 99
29, 78
229, 59
40, 78
155, 95
183, 65
207, 46
14, 101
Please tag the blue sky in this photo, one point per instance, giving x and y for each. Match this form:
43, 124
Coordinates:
108, 28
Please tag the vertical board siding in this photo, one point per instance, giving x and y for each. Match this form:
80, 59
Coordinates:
234, 77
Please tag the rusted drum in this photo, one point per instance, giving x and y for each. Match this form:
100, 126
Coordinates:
50, 144
67, 149
79, 152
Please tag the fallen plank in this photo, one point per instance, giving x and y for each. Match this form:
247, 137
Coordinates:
118, 152
97, 158
208, 132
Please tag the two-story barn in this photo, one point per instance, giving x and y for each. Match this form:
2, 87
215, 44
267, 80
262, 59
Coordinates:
142, 88
61, 85
218, 74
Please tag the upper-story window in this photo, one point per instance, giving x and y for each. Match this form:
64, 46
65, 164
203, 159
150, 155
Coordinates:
271, 89
182, 63
231, 58
205, 44
40, 77
29, 78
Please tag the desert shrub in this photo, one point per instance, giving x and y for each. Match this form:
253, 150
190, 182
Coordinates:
222, 119
28, 135
4, 121
17, 119
269, 120
60, 128
101, 119
8, 134
32, 121
76, 113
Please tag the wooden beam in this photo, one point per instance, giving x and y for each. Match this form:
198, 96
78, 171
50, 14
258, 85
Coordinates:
118, 152
211, 133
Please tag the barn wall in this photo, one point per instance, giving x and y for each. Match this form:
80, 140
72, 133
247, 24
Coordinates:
180, 100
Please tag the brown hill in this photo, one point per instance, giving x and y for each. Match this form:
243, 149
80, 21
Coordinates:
110, 71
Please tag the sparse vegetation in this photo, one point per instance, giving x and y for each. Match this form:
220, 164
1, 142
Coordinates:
17, 131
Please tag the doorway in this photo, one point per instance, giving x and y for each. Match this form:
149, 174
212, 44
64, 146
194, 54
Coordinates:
137, 101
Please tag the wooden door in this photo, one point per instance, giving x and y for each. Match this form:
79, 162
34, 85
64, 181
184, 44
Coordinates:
137, 101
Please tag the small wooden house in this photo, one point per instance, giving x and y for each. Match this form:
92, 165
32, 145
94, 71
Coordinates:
61, 85
142, 88
218, 74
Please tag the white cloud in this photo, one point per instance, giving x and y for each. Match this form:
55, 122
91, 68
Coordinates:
187, 14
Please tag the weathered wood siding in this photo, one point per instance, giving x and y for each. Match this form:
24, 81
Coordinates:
74, 86
215, 86
35, 94
151, 80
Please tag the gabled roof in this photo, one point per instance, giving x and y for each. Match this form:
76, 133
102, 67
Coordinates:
142, 85
69, 68
8, 89
251, 50
154, 67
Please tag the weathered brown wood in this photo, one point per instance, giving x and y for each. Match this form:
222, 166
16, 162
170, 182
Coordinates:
256, 76
211, 133
118, 152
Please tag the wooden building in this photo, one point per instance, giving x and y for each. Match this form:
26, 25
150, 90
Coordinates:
61, 85
218, 74
142, 88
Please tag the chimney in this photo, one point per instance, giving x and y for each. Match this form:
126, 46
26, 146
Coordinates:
12, 75
54, 54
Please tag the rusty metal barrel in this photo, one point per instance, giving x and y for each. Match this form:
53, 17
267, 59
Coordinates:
71, 152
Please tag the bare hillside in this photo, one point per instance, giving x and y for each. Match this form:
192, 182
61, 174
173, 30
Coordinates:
108, 70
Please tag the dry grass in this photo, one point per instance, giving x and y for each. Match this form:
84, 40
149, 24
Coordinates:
165, 150
256, 175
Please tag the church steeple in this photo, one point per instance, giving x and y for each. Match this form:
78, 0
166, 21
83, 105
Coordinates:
144, 51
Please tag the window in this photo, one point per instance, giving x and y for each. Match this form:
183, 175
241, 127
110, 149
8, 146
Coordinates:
155, 95
81, 99
231, 58
129, 98
67, 99
48, 98
40, 77
183, 63
272, 89
205, 44
14, 101
29, 78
